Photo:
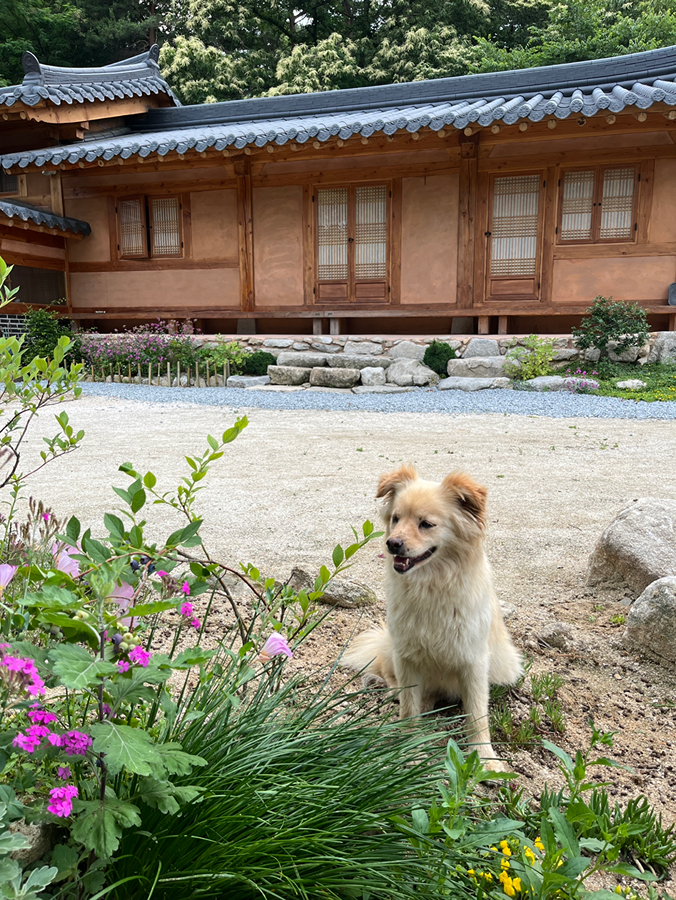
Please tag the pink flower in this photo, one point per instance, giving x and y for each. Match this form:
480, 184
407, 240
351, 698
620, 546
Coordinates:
62, 800
26, 743
22, 675
7, 572
123, 665
195, 623
64, 772
162, 573
75, 743
37, 732
276, 645
123, 594
185, 587
65, 563
140, 656
41, 715
46, 516
187, 610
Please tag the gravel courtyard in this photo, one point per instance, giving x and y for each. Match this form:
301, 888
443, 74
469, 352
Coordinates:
295, 481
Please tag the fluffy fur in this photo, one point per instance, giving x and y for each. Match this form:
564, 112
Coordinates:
445, 635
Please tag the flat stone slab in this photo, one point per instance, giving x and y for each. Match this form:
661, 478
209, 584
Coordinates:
481, 347
546, 383
363, 348
474, 384
246, 381
477, 367
334, 378
315, 389
303, 359
276, 388
407, 350
358, 362
382, 389
288, 375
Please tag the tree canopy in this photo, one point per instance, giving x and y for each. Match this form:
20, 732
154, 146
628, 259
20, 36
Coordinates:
229, 49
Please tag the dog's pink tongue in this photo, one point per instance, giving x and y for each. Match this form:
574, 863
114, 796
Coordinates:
402, 563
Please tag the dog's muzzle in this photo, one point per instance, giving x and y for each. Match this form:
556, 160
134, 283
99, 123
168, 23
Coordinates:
404, 564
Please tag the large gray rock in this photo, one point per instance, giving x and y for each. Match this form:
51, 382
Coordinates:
358, 362
407, 350
279, 343
638, 547
363, 348
474, 384
564, 353
477, 367
407, 372
382, 389
306, 360
546, 383
339, 591
325, 345
288, 375
481, 347
373, 375
334, 378
651, 623
630, 355
245, 381
664, 348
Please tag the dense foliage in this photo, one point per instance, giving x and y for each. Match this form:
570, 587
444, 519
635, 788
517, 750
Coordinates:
437, 355
228, 49
43, 331
257, 363
625, 325
529, 357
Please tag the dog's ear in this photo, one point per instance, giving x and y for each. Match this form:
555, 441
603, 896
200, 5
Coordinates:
470, 495
392, 482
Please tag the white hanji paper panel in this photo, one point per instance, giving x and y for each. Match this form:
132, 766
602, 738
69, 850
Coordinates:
516, 199
166, 232
371, 232
332, 234
578, 196
618, 204
132, 228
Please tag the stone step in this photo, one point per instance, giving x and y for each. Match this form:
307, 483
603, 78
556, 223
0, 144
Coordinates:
474, 384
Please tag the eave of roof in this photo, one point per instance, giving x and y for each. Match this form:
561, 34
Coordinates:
135, 77
12, 209
587, 89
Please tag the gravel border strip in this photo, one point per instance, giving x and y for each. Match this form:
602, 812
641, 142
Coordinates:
557, 405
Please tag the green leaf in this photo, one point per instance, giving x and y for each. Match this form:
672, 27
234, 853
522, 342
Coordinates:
176, 761
193, 656
149, 480
114, 526
213, 443
40, 878
100, 826
52, 597
324, 574
338, 555
76, 669
562, 755
367, 528
165, 796
574, 867
629, 872
148, 609
182, 535
125, 748
138, 500
564, 833
73, 529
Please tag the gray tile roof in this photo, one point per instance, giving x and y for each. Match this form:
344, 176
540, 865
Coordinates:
584, 88
133, 77
27, 213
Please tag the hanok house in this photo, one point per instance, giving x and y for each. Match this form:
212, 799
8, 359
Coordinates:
484, 203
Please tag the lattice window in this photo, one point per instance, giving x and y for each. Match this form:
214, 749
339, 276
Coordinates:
617, 205
371, 232
132, 227
514, 226
332, 234
40, 287
9, 184
577, 206
166, 230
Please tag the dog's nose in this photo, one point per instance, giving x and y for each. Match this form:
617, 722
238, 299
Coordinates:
395, 545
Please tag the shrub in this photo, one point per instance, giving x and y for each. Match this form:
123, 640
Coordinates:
605, 321
530, 358
437, 355
257, 363
140, 346
227, 351
43, 332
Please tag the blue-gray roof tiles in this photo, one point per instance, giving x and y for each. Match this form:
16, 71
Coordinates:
584, 88
135, 77
27, 213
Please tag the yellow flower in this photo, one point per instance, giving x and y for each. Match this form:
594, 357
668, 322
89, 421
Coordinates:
517, 883
618, 889
504, 846
504, 864
471, 872
493, 848
538, 843
530, 856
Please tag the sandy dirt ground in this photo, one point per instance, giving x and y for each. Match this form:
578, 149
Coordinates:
292, 485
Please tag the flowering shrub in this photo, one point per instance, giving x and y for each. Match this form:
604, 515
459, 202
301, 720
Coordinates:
579, 382
606, 321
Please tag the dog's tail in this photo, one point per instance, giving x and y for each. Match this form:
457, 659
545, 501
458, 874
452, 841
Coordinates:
371, 654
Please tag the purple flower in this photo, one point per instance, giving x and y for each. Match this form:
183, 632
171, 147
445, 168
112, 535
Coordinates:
140, 656
276, 645
187, 610
22, 675
107, 710
64, 772
162, 573
65, 563
75, 743
41, 715
185, 587
26, 742
122, 665
62, 800
7, 572
46, 516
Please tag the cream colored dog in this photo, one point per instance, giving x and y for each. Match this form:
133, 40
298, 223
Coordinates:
445, 635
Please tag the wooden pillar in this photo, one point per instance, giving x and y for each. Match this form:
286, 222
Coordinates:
56, 193
245, 233
334, 326
484, 326
672, 322
317, 326
469, 177
503, 324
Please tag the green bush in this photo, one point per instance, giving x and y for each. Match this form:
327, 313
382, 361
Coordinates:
42, 335
605, 321
437, 356
227, 351
530, 358
257, 363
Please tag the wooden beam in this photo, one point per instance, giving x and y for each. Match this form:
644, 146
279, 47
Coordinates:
308, 246
467, 219
503, 324
548, 235
153, 265
645, 199
395, 243
484, 325
245, 234
56, 194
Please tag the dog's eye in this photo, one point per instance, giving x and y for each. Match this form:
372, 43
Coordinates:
427, 525
395, 519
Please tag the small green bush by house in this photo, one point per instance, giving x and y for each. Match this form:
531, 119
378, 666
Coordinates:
42, 335
257, 363
530, 358
230, 351
606, 321
437, 356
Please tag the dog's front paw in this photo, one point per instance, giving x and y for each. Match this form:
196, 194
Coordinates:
495, 765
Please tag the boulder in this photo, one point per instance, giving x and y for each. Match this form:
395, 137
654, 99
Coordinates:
406, 372
632, 384
630, 355
334, 378
563, 354
363, 348
382, 389
300, 345
407, 350
481, 347
664, 348
372, 375
473, 384
358, 362
306, 360
279, 343
245, 381
546, 383
339, 591
477, 367
325, 345
638, 547
651, 623
288, 375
